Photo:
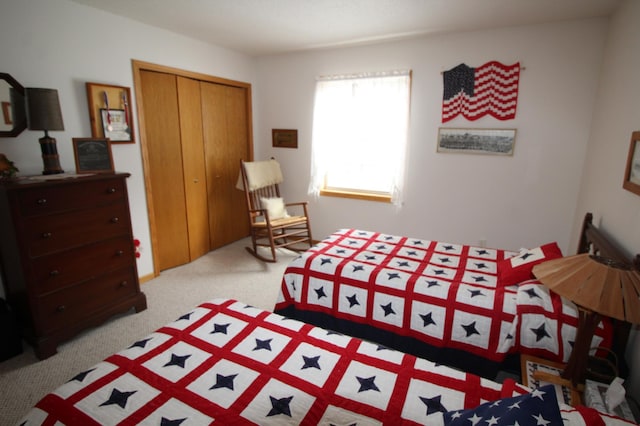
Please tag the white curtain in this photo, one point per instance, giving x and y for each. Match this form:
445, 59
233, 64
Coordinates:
360, 129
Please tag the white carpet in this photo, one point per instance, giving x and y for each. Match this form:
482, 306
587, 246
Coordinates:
228, 272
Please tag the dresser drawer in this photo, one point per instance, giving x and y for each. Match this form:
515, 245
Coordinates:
59, 270
48, 234
74, 304
52, 199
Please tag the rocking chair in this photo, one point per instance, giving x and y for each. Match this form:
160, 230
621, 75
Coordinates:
271, 224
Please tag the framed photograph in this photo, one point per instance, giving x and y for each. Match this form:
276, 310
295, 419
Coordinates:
477, 141
114, 124
285, 138
93, 155
537, 372
110, 112
632, 173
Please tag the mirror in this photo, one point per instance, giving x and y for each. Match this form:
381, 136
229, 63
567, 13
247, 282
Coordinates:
13, 119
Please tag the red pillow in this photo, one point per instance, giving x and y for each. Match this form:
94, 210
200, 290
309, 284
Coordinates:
518, 268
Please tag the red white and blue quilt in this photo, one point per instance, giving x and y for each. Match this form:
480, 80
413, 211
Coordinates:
231, 364
433, 299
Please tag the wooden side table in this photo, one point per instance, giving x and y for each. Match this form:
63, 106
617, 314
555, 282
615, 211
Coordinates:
537, 372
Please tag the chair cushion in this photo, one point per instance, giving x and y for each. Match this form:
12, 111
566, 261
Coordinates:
274, 207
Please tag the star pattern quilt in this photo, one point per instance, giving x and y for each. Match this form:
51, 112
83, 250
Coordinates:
433, 299
231, 364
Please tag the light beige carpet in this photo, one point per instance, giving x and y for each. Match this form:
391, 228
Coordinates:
228, 272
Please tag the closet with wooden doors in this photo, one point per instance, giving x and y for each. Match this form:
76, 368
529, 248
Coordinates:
194, 130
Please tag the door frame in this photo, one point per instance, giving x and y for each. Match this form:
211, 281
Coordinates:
139, 66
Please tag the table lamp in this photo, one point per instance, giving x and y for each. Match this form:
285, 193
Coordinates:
43, 113
598, 286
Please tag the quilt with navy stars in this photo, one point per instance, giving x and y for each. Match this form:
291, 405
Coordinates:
232, 364
432, 299
228, 363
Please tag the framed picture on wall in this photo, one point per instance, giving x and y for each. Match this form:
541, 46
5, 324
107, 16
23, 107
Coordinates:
110, 112
632, 172
93, 155
284, 138
477, 141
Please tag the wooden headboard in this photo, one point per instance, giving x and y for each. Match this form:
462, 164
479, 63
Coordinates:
594, 241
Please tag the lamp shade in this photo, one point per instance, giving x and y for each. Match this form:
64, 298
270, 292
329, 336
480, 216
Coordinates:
43, 109
599, 284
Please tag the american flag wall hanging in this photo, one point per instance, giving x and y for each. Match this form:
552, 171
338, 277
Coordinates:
474, 92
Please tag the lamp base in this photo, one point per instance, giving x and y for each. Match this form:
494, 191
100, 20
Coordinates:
50, 157
576, 369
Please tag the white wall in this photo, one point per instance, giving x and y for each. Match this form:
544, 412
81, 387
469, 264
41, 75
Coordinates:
617, 114
510, 202
60, 44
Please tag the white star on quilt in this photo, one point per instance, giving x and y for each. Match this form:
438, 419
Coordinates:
540, 421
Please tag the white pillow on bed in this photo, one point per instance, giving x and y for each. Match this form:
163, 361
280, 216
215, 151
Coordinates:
274, 207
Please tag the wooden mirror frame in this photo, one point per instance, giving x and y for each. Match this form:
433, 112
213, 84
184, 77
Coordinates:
633, 161
14, 109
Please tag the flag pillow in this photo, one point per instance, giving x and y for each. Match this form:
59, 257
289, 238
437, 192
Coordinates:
274, 207
540, 407
519, 267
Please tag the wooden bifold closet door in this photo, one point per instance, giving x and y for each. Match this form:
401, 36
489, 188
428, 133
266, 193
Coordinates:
196, 132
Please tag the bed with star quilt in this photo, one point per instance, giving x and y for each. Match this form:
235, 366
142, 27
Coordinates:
473, 308
229, 363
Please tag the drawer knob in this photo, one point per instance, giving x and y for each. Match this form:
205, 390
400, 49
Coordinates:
61, 308
54, 273
115, 220
124, 284
119, 253
111, 191
46, 235
41, 201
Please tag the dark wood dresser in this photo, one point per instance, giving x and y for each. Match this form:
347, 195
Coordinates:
68, 257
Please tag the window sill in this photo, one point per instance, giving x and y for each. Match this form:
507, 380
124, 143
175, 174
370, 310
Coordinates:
356, 195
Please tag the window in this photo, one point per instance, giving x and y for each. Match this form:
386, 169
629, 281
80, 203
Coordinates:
360, 128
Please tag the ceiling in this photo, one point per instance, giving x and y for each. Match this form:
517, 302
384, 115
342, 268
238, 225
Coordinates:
264, 27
